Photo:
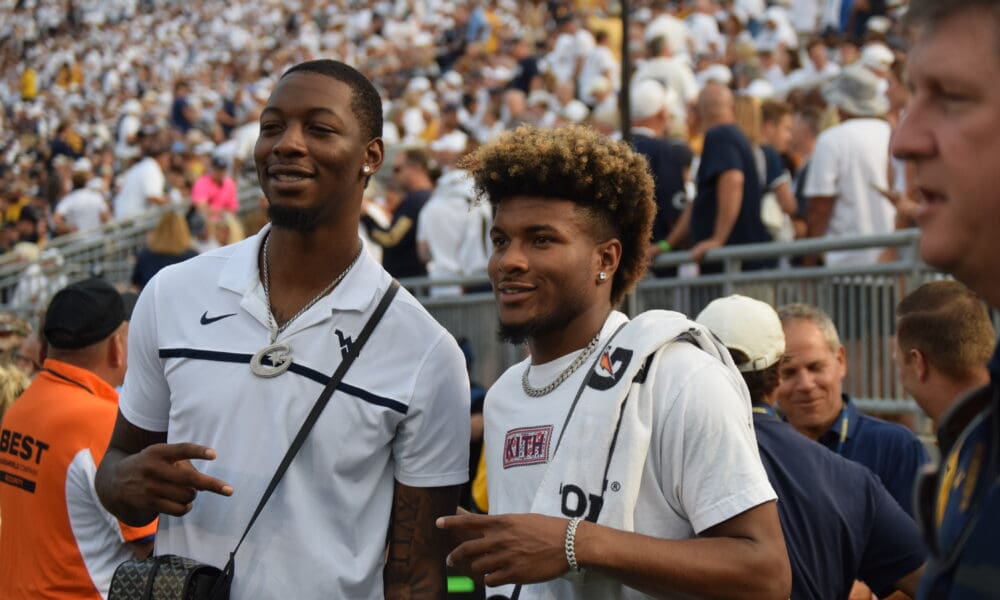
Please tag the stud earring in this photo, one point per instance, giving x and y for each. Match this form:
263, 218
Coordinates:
367, 169
602, 276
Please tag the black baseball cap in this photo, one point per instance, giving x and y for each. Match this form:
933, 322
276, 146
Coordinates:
82, 314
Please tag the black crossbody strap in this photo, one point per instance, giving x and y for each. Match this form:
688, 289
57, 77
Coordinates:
321, 402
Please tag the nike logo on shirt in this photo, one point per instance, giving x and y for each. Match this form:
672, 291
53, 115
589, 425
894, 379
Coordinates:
207, 320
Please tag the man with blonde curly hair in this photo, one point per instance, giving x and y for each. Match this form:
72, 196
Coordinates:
621, 456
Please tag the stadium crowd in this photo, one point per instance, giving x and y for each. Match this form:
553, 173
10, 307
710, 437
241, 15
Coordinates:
114, 108
759, 121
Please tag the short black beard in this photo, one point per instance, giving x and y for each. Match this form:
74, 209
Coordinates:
297, 219
515, 334
524, 332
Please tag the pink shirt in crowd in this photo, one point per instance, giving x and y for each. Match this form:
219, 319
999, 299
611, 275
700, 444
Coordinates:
220, 198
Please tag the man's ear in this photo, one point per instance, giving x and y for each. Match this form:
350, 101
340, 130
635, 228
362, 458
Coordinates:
919, 361
609, 255
374, 155
117, 356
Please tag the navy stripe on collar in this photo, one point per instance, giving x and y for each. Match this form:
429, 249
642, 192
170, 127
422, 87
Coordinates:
320, 378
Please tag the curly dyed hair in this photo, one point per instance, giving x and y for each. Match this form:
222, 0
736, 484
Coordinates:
607, 178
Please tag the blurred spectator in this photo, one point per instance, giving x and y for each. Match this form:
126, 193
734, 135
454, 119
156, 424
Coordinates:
13, 382
451, 223
169, 243
849, 171
202, 237
143, 186
727, 208
13, 332
944, 339
215, 191
41, 279
227, 229
411, 170
668, 162
28, 356
805, 131
83, 209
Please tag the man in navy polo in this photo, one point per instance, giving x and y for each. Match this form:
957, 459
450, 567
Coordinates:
840, 523
950, 139
812, 400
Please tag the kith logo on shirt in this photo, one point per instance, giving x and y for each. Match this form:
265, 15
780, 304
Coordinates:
527, 446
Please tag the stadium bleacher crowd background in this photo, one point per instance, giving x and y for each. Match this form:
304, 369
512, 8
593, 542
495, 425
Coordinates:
113, 109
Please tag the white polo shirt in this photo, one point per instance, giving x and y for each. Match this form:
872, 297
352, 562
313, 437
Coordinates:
402, 412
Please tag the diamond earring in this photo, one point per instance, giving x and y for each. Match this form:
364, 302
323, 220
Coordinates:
602, 276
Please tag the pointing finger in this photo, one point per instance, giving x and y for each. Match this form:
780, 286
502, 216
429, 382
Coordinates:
183, 451
465, 521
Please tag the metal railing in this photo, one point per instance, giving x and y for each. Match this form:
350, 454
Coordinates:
860, 300
108, 252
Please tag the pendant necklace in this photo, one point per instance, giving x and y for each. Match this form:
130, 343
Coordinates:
563, 376
274, 359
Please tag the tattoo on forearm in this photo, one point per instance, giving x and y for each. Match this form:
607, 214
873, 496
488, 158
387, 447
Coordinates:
415, 565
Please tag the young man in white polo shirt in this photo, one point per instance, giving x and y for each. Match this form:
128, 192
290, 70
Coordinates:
230, 351
621, 458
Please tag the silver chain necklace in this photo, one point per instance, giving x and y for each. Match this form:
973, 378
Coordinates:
274, 359
563, 376
275, 328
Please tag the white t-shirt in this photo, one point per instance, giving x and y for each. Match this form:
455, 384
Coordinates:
851, 162
598, 62
82, 209
401, 413
142, 181
705, 35
569, 47
675, 30
448, 223
703, 467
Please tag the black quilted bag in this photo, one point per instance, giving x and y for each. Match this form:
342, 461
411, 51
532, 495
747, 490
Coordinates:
172, 577
169, 577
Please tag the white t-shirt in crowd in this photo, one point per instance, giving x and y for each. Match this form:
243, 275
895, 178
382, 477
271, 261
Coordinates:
142, 181
851, 162
82, 209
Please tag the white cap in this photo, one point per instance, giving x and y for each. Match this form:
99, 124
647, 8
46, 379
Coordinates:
747, 325
877, 57
575, 111
717, 73
538, 97
647, 98
82, 165
879, 24
418, 84
760, 88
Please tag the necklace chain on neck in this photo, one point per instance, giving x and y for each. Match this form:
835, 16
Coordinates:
272, 322
564, 375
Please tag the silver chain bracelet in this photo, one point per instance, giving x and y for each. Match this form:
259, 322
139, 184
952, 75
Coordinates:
570, 544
